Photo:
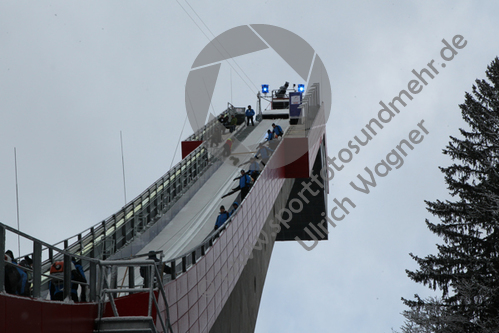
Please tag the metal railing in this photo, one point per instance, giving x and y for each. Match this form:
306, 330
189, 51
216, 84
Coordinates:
310, 106
109, 288
39, 268
206, 132
102, 282
107, 237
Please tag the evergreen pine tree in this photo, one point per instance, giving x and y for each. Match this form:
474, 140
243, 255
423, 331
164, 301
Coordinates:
466, 267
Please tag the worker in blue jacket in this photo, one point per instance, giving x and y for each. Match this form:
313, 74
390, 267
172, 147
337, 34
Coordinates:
221, 218
277, 130
81, 278
16, 279
249, 115
56, 285
270, 136
244, 184
235, 205
264, 153
254, 167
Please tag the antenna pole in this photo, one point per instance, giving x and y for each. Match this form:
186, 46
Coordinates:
17, 204
123, 166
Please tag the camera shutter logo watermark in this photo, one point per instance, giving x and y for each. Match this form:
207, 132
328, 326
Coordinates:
238, 41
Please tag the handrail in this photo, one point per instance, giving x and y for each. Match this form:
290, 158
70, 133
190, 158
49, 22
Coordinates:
310, 106
99, 272
167, 178
38, 248
108, 291
109, 236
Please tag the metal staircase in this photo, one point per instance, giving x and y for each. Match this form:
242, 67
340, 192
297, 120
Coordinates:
109, 290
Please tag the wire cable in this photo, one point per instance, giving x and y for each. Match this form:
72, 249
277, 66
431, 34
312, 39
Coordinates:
220, 44
219, 51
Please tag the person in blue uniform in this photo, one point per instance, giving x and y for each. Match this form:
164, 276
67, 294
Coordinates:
235, 205
16, 279
244, 184
222, 217
254, 168
277, 130
270, 136
264, 153
81, 278
56, 285
249, 116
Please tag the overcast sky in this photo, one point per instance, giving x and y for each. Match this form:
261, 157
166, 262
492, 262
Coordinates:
75, 74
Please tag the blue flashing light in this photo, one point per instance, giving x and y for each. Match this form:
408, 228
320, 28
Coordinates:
265, 88
301, 88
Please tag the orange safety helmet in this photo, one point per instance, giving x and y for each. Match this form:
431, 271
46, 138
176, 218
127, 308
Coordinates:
57, 267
